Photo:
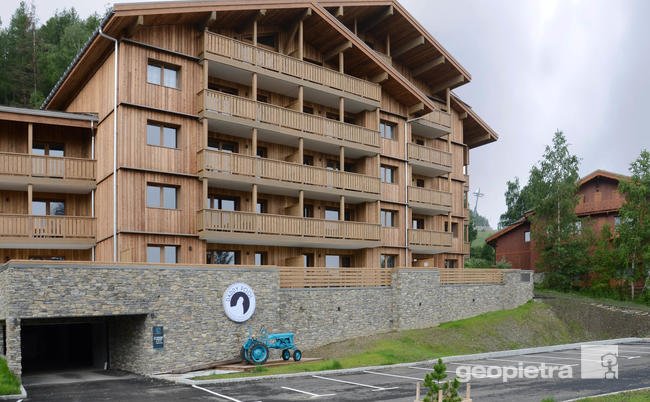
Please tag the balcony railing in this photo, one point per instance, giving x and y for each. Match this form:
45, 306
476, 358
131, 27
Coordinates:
47, 227
319, 277
245, 108
287, 172
277, 62
601, 205
46, 166
293, 226
429, 238
429, 155
429, 196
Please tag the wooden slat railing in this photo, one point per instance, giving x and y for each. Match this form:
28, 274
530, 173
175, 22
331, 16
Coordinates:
245, 108
277, 62
429, 196
254, 223
453, 276
601, 205
37, 226
431, 155
46, 166
245, 165
319, 277
422, 237
439, 117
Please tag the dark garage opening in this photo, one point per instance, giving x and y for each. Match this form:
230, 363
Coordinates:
62, 346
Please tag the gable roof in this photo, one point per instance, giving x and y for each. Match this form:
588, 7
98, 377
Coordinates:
602, 173
124, 16
476, 132
508, 229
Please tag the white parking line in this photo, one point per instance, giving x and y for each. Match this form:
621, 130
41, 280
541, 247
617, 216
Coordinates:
567, 358
216, 394
307, 393
355, 383
527, 361
394, 375
430, 370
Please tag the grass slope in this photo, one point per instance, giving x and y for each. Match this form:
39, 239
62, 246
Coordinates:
481, 236
638, 396
9, 385
533, 324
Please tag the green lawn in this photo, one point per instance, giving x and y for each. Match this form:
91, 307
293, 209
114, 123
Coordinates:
638, 396
9, 385
532, 324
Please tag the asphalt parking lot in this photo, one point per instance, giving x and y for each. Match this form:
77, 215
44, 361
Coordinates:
385, 384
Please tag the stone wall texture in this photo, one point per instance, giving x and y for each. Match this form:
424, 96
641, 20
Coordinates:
186, 301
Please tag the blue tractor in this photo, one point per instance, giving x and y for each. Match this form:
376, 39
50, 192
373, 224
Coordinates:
256, 350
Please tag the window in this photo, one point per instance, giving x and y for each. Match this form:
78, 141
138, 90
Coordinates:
337, 261
266, 40
349, 214
454, 229
617, 220
308, 260
308, 160
466, 233
224, 203
162, 75
160, 135
262, 98
51, 258
225, 146
222, 257
262, 152
446, 226
221, 88
261, 258
48, 207
388, 260
388, 174
332, 116
350, 167
48, 149
308, 109
331, 214
162, 254
261, 207
579, 227
419, 141
387, 130
159, 196
333, 165
465, 200
388, 218
308, 211
450, 263
527, 237
419, 183
418, 223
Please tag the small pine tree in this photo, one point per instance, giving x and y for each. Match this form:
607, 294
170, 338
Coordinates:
432, 381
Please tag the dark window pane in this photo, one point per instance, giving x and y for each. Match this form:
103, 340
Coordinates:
38, 149
57, 208
56, 150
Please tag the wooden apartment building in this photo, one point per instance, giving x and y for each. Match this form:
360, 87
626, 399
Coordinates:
599, 203
258, 132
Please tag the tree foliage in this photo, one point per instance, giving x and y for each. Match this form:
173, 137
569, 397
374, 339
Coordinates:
33, 57
433, 381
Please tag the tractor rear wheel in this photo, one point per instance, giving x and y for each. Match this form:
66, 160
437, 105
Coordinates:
258, 353
286, 354
297, 355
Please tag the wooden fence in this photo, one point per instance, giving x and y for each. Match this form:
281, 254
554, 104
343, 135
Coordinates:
277, 62
43, 227
319, 277
246, 165
46, 166
454, 276
427, 154
237, 106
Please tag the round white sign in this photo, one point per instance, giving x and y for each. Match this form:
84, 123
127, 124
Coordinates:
239, 302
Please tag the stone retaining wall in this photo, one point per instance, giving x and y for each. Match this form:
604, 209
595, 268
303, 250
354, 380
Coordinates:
186, 301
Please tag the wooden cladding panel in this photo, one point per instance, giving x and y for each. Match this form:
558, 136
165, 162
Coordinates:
13, 137
26, 254
133, 247
104, 207
104, 148
135, 89
136, 216
96, 96
15, 202
134, 151
178, 38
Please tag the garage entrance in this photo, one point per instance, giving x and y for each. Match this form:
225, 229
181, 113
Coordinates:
59, 345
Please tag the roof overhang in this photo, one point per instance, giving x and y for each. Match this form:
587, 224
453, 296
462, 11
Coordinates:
476, 132
8, 113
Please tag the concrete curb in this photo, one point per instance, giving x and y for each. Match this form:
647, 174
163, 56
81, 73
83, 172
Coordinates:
22, 395
448, 359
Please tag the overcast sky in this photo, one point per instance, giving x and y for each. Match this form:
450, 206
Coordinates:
575, 65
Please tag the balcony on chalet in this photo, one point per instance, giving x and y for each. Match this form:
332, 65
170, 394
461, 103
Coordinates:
237, 227
432, 125
47, 232
423, 241
600, 205
426, 201
238, 171
46, 173
428, 161
236, 61
237, 116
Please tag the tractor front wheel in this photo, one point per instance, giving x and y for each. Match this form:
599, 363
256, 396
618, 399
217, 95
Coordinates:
258, 353
297, 355
286, 354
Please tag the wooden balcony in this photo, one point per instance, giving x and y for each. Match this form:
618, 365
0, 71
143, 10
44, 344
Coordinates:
320, 277
70, 175
236, 227
238, 115
587, 208
231, 170
428, 161
429, 241
276, 66
48, 232
432, 125
426, 201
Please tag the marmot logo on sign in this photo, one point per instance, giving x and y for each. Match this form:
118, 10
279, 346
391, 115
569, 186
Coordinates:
239, 302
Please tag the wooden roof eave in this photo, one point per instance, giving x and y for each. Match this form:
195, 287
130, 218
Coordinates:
489, 134
602, 173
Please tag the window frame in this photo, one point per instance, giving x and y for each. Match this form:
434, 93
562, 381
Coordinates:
164, 66
385, 258
162, 253
161, 202
382, 129
383, 169
162, 127
385, 213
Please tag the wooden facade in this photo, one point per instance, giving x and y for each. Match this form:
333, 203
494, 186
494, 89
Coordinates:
274, 135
